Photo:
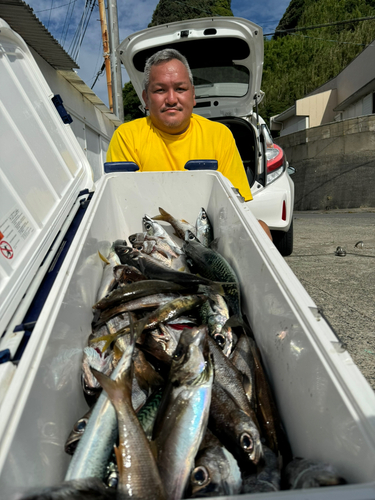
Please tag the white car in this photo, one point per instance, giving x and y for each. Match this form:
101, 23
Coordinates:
225, 55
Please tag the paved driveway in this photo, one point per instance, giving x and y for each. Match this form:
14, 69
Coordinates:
344, 287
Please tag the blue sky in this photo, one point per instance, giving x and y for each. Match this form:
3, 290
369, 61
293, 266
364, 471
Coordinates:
62, 21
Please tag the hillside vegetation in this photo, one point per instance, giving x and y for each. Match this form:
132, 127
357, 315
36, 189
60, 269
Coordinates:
296, 64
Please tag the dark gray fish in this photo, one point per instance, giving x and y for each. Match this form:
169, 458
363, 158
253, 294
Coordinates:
267, 476
154, 270
203, 227
235, 429
79, 489
125, 274
216, 472
307, 473
213, 266
243, 360
140, 289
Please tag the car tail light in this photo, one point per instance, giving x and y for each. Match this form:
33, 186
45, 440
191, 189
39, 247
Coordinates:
275, 162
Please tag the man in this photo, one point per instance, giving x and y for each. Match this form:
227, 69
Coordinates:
172, 135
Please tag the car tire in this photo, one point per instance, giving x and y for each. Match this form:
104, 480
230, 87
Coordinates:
283, 240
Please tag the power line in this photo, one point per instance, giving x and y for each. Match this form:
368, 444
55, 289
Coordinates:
53, 8
337, 23
326, 40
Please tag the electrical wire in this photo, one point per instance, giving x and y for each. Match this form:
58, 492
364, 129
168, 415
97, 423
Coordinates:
80, 32
337, 23
326, 39
68, 18
52, 8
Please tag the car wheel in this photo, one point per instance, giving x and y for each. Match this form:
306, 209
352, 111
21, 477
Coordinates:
283, 240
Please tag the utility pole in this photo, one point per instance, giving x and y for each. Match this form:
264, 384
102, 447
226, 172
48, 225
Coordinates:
103, 24
114, 42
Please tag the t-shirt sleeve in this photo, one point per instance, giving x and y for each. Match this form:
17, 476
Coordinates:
231, 166
122, 147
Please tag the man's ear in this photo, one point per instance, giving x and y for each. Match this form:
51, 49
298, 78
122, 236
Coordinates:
145, 98
195, 102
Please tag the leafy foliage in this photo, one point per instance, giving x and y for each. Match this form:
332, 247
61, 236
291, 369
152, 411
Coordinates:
131, 103
297, 64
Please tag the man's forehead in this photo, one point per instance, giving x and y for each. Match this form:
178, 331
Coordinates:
173, 66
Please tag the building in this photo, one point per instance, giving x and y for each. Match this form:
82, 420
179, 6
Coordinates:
350, 94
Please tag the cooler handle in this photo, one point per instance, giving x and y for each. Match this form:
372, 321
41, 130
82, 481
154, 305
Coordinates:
201, 165
120, 166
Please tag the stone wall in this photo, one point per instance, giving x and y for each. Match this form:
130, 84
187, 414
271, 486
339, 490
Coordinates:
335, 164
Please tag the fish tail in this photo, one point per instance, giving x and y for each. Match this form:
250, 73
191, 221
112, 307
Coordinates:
103, 258
165, 216
116, 389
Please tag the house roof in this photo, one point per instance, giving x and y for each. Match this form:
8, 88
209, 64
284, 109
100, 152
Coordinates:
21, 18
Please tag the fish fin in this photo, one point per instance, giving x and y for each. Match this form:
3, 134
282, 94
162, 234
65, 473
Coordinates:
217, 287
103, 258
154, 449
108, 338
118, 458
214, 244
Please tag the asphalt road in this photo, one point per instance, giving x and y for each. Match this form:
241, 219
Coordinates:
343, 286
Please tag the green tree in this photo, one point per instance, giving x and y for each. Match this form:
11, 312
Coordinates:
131, 103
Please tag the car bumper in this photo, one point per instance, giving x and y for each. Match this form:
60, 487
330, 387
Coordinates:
267, 203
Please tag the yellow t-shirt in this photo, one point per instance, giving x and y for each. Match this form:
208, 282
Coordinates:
153, 150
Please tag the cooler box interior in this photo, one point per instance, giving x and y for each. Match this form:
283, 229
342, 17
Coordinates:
326, 405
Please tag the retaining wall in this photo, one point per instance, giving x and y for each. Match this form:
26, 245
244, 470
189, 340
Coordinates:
335, 164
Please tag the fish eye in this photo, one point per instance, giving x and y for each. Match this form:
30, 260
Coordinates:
246, 442
148, 226
179, 352
191, 236
80, 426
200, 476
220, 340
112, 480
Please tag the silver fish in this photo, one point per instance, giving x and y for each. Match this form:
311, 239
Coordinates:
203, 228
138, 472
95, 446
153, 228
108, 281
185, 406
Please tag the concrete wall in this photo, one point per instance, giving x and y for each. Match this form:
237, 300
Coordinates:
335, 164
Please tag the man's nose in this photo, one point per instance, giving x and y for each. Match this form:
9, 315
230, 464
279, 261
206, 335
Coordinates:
171, 97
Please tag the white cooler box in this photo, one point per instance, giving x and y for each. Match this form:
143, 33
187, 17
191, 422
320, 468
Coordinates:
327, 407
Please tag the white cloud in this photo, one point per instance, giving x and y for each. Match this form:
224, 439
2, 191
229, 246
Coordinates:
133, 15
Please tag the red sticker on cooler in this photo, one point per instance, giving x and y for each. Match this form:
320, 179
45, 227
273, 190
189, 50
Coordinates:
6, 249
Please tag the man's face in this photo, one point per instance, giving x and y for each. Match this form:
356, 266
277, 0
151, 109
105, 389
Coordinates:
170, 97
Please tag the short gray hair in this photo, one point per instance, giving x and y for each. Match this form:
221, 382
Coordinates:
161, 56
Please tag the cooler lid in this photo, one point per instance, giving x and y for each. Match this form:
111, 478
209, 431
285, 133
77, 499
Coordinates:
42, 170
225, 55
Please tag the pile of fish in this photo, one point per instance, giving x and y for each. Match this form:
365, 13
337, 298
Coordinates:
189, 411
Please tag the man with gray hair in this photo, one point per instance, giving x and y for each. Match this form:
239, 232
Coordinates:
172, 134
